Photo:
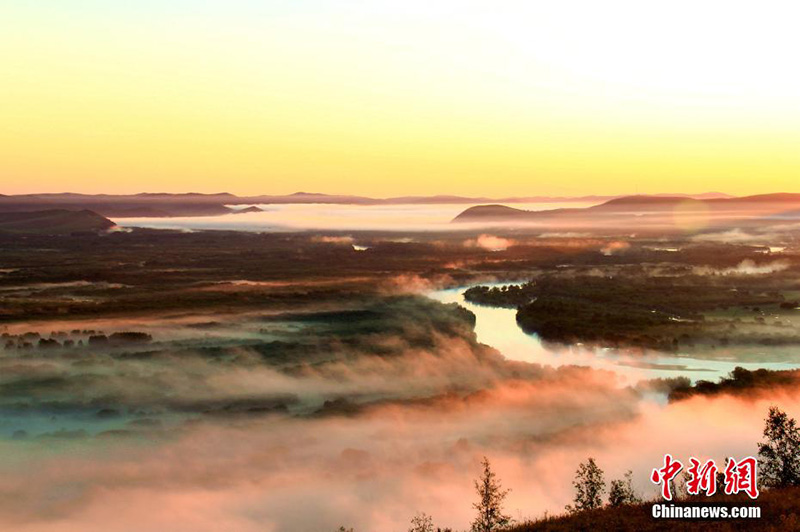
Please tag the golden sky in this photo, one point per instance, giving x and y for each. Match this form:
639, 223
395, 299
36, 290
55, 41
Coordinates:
391, 98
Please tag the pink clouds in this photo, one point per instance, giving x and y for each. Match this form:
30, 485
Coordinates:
375, 469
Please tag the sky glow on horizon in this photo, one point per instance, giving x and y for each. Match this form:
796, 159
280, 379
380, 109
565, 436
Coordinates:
399, 98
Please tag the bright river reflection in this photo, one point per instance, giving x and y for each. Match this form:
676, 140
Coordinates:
498, 328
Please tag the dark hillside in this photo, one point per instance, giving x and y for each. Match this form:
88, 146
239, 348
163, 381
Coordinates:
780, 510
53, 222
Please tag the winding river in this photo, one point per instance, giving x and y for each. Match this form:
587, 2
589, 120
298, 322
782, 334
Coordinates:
498, 328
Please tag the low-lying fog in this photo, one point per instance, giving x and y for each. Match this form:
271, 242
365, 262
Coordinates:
367, 414
331, 217
300, 385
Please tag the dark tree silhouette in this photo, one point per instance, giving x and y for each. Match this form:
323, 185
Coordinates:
622, 492
421, 522
779, 454
589, 487
490, 502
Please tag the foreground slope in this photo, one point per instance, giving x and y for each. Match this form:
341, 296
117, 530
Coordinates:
780, 510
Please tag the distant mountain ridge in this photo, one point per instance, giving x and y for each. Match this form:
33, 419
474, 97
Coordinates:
642, 211
158, 204
54, 221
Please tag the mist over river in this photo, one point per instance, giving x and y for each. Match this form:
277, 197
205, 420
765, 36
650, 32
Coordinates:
279, 373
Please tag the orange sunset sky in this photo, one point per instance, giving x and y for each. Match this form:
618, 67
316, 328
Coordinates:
392, 98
